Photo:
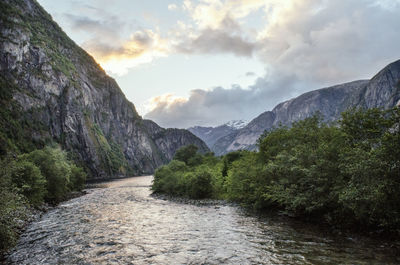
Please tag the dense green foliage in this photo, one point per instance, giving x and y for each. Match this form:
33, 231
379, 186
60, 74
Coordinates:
346, 174
29, 180
189, 174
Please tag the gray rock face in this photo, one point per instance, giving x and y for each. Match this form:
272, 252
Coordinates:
384, 88
81, 107
169, 140
382, 91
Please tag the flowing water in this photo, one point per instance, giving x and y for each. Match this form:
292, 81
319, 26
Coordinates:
123, 224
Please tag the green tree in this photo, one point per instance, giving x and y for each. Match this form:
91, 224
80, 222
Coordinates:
199, 186
371, 164
77, 179
186, 153
29, 180
62, 175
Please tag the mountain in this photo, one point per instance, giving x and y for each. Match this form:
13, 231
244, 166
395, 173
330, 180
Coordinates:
382, 91
53, 91
211, 134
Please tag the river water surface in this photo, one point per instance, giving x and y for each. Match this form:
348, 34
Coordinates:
123, 224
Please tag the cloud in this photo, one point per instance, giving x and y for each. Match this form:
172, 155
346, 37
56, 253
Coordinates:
96, 28
141, 47
216, 28
211, 41
250, 74
212, 13
116, 53
212, 107
317, 40
330, 41
304, 44
172, 7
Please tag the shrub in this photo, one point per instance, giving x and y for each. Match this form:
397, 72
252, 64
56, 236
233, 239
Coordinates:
77, 179
29, 180
54, 166
61, 174
199, 184
185, 153
170, 179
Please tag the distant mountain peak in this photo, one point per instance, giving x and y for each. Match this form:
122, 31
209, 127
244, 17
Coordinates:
236, 124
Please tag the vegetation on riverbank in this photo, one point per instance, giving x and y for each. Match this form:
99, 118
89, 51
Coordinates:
29, 180
346, 174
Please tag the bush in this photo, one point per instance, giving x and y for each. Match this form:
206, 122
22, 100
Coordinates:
29, 180
54, 166
371, 165
61, 174
199, 184
77, 179
177, 179
170, 179
186, 153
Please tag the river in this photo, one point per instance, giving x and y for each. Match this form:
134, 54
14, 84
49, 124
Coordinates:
123, 224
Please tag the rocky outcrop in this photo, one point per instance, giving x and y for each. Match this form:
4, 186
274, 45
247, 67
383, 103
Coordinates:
60, 86
384, 88
382, 91
169, 140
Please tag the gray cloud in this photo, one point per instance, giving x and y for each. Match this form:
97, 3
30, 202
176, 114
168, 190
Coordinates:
250, 74
102, 49
228, 37
219, 104
217, 41
343, 41
313, 45
98, 29
104, 41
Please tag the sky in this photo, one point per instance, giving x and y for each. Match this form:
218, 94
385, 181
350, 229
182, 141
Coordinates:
205, 62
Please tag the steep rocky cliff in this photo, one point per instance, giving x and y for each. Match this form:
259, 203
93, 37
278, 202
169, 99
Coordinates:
383, 91
52, 90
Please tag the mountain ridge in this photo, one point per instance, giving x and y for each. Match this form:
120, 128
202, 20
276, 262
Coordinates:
382, 91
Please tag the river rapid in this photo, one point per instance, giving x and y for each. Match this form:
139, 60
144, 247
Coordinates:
123, 224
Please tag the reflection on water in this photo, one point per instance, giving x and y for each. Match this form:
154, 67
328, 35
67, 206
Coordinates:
123, 224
